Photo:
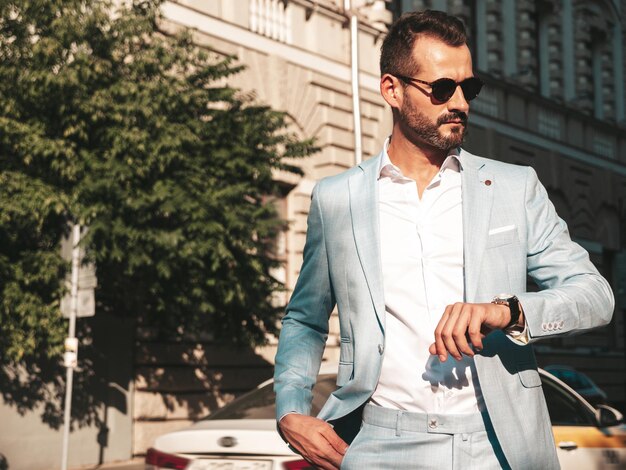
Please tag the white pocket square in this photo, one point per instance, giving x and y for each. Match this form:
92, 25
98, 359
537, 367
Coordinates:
506, 228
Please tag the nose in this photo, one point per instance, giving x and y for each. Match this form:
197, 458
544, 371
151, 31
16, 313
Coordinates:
458, 101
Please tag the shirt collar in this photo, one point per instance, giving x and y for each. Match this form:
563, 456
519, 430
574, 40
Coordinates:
388, 169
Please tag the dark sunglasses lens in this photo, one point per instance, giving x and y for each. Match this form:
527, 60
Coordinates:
443, 89
471, 87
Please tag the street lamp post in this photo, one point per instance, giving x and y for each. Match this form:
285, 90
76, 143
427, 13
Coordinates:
354, 69
70, 358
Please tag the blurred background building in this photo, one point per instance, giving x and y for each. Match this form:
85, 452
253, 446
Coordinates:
554, 99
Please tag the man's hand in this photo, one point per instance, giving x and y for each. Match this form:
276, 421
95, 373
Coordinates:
463, 321
314, 439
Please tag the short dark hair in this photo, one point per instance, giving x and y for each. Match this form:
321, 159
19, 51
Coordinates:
396, 53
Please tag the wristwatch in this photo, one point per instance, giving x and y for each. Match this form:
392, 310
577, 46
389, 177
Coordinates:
513, 303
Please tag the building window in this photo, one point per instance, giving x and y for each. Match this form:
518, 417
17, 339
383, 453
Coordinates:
603, 145
487, 102
418, 5
549, 124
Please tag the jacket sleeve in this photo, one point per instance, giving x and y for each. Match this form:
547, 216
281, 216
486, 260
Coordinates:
305, 325
573, 296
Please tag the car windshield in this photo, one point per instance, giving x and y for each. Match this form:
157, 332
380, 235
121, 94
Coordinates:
259, 403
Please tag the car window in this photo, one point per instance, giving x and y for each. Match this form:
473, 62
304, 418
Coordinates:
260, 403
572, 378
326, 384
565, 409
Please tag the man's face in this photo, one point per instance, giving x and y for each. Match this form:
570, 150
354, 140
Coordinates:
436, 124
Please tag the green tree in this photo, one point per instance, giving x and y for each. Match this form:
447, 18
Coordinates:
107, 122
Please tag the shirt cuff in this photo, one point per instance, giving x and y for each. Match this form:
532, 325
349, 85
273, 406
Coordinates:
288, 413
517, 334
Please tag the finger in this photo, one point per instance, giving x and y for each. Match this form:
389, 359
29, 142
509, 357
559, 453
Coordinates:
459, 332
321, 454
336, 442
332, 449
448, 329
321, 462
440, 347
307, 435
334, 458
329, 455
474, 332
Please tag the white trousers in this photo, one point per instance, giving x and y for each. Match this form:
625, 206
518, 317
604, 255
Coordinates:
397, 440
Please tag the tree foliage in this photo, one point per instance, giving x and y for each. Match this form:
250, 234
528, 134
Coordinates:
135, 134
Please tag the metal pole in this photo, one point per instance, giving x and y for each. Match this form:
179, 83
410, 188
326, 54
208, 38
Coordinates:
354, 66
70, 343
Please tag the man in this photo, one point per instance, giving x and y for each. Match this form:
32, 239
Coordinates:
425, 250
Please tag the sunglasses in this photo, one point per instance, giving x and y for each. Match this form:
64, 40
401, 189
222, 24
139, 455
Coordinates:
443, 89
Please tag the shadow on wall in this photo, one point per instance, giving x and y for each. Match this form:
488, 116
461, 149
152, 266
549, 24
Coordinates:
39, 384
185, 380
4, 465
176, 380
36, 386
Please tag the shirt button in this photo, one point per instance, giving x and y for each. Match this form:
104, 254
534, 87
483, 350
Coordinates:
432, 424
381, 349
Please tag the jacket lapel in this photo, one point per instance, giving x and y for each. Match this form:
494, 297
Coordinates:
365, 228
477, 192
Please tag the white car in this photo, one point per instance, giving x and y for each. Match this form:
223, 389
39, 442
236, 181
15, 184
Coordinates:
242, 435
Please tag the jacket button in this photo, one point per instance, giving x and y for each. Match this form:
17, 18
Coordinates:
381, 349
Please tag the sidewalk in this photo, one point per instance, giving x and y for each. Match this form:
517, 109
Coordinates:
135, 464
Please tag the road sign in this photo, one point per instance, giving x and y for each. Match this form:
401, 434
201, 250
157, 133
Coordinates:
87, 282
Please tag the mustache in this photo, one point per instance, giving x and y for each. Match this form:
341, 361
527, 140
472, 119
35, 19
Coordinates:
460, 116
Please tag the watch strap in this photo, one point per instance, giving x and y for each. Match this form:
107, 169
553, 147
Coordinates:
513, 303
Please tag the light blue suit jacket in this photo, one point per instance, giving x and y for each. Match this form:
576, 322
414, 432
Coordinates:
342, 267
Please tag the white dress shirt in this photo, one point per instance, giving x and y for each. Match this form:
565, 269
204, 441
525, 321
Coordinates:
422, 264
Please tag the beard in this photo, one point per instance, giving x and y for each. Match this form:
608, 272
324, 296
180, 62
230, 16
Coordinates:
429, 132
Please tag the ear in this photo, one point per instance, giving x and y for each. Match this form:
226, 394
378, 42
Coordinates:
391, 90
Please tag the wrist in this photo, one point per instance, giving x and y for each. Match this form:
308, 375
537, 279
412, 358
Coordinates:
287, 417
511, 302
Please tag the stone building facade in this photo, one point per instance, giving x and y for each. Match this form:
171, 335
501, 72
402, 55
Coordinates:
554, 99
